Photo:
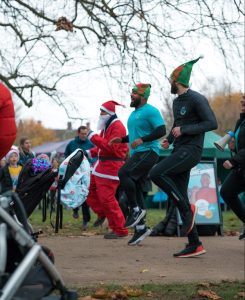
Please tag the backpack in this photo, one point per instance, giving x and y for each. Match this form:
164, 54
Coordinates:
32, 186
74, 178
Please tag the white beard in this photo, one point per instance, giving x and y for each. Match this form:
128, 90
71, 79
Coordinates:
102, 121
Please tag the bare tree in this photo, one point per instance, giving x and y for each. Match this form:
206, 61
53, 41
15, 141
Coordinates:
123, 39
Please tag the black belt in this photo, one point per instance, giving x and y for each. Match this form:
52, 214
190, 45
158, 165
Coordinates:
103, 158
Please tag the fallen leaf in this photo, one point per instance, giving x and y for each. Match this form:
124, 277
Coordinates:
204, 284
88, 233
241, 294
144, 270
87, 298
149, 294
119, 295
231, 233
208, 294
101, 293
133, 292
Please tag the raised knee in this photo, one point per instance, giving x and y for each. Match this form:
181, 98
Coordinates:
226, 193
154, 176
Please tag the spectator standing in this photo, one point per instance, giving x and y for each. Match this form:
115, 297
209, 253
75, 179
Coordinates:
2, 163
145, 127
104, 178
25, 150
192, 118
80, 142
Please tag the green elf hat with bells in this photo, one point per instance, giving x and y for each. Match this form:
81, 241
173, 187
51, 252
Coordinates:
143, 89
182, 73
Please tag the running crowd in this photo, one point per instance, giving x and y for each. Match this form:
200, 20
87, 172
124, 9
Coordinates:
123, 161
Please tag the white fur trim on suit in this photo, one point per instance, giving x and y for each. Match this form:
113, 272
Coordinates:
91, 134
105, 175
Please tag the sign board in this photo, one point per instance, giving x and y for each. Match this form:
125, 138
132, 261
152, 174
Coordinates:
203, 192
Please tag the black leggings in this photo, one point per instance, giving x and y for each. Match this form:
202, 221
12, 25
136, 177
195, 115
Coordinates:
233, 185
172, 175
133, 175
85, 212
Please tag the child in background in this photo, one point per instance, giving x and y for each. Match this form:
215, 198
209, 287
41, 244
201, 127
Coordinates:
55, 164
10, 172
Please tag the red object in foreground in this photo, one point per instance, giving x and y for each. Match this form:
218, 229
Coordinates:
7, 121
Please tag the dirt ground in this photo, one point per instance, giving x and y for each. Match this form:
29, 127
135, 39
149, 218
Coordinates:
88, 260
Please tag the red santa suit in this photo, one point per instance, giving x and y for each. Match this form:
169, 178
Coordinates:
104, 177
7, 121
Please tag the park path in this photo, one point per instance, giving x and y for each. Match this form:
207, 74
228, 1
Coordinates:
88, 260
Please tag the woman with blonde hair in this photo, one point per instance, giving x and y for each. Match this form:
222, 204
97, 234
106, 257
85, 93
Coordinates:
25, 150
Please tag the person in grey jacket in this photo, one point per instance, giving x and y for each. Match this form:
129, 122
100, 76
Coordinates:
192, 118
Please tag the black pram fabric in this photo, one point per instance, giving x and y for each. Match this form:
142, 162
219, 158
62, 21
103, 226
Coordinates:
33, 186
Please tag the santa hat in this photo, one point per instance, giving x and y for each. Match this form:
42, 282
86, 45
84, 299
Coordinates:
143, 89
110, 107
13, 149
182, 73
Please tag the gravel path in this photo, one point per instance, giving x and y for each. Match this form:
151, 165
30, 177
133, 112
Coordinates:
87, 260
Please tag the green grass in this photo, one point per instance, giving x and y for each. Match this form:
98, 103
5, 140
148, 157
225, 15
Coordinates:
227, 290
154, 216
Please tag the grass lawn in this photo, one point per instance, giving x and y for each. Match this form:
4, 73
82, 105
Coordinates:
225, 290
231, 224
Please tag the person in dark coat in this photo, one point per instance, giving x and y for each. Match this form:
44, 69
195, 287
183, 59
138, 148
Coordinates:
192, 118
234, 183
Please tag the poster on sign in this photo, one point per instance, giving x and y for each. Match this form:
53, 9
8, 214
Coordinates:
203, 192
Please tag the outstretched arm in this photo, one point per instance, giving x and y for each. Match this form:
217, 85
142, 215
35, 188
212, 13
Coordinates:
118, 140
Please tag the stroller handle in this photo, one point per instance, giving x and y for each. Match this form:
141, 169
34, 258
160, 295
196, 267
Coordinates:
3, 247
11, 200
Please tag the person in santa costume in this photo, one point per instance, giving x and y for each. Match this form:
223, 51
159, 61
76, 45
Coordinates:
104, 177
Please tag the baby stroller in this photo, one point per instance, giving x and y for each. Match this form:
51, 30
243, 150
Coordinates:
33, 185
26, 268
